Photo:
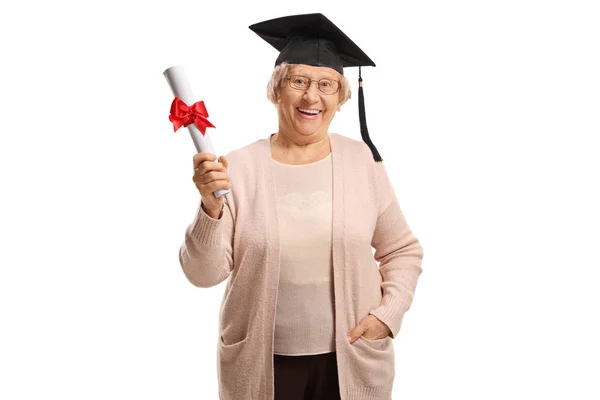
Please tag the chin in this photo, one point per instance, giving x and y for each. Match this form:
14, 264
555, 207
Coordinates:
308, 132
310, 129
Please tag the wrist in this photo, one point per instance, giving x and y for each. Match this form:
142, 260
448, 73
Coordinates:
213, 212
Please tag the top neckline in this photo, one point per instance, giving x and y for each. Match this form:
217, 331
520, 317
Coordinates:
302, 165
297, 165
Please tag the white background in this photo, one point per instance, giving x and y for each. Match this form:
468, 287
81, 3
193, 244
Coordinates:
486, 114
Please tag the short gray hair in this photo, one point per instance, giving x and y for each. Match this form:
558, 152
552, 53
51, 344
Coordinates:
280, 73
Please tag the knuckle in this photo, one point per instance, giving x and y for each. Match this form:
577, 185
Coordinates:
213, 175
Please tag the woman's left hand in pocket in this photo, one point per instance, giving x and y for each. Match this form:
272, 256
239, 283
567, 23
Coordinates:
370, 327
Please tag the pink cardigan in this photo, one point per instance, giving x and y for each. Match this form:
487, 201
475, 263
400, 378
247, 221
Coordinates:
243, 245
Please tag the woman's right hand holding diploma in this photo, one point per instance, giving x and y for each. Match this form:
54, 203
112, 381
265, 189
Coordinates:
210, 175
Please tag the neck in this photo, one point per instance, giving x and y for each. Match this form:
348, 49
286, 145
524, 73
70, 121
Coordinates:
299, 150
299, 143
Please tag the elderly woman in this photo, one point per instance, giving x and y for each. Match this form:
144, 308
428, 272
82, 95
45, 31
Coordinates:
308, 312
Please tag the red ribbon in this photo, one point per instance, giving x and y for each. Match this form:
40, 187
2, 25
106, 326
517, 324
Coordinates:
184, 115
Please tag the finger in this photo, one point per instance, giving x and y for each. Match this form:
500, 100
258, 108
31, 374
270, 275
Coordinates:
355, 333
376, 329
206, 190
224, 161
210, 177
208, 166
199, 158
204, 180
373, 334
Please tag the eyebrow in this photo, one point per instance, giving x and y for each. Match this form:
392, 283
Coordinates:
307, 74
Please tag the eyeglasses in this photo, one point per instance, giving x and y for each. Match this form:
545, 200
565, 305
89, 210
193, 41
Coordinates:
325, 85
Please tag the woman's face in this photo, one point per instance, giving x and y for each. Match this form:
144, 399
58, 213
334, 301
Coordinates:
307, 112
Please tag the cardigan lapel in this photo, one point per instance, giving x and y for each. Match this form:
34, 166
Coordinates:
269, 193
338, 249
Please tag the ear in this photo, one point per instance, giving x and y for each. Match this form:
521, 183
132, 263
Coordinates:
339, 108
277, 95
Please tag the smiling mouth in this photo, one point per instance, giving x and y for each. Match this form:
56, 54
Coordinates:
307, 111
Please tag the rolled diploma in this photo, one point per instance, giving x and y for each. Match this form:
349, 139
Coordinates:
181, 88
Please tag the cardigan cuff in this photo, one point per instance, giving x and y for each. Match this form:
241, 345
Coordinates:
205, 229
392, 315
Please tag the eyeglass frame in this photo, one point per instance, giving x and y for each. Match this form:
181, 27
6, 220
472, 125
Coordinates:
310, 81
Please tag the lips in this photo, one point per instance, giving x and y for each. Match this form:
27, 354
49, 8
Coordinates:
308, 113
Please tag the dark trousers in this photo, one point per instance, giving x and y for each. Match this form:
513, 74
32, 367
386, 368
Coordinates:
313, 377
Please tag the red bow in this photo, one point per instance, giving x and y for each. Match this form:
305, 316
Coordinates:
183, 115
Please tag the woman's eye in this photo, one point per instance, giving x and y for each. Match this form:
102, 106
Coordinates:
299, 81
325, 83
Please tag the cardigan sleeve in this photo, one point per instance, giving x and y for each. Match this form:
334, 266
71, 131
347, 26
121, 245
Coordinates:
206, 255
399, 254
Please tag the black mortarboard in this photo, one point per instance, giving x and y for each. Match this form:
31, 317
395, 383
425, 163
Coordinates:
312, 39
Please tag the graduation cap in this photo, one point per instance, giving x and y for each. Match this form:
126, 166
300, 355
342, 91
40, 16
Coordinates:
312, 39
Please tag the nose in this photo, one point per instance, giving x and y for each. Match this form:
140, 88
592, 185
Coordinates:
311, 92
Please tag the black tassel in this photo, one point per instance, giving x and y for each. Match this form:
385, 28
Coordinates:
363, 120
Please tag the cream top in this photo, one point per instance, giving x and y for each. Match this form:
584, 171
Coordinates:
304, 322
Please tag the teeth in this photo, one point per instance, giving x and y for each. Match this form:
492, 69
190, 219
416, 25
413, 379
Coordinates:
313, 112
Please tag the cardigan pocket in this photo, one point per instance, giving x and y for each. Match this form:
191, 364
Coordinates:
230, 351
376, 344
373, 362
235, 382
231, 356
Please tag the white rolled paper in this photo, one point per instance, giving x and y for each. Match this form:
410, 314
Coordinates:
181, 88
